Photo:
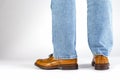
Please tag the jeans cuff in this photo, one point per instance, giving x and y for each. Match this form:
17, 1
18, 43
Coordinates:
65, 57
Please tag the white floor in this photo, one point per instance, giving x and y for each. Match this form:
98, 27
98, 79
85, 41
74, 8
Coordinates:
25, 70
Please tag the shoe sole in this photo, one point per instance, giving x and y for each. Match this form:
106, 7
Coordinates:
101, 66
62, 67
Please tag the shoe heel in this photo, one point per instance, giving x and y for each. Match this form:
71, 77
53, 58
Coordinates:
69, 67
93, 63
102, 67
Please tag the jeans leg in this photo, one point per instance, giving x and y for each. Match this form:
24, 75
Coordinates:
64, 28
99, 26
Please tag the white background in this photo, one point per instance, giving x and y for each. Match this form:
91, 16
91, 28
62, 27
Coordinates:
25, 35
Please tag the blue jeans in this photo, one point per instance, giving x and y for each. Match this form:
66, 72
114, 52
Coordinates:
99, 23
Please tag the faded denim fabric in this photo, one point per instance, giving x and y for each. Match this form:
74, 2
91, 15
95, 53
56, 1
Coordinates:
99, 23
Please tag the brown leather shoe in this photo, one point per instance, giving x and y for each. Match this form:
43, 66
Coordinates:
100, 62
52, 63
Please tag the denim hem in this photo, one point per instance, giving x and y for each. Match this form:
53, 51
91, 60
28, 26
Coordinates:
65, 57
99, 52
95, 54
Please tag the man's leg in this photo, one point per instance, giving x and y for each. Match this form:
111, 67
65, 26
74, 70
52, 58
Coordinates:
100, 27
64, 28
63, 36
